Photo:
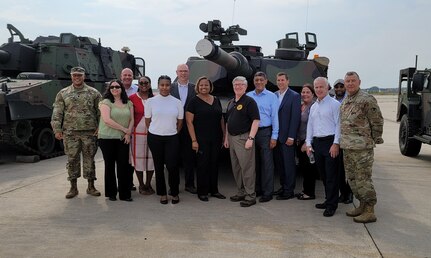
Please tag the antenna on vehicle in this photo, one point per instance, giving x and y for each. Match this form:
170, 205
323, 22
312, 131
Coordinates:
233, 11
416, 63
306, 17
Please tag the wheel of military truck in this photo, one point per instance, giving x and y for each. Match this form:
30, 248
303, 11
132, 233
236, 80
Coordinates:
21, 131
408, 146
44, 141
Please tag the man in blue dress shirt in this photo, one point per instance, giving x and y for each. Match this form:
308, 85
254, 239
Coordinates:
266, 137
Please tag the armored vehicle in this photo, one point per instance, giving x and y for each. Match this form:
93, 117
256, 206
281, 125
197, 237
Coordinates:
414, 110
221, 63
31, 74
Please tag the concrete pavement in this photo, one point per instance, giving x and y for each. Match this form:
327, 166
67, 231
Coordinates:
37, 221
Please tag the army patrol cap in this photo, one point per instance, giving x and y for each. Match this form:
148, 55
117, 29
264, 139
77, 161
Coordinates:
339, 81
77, 70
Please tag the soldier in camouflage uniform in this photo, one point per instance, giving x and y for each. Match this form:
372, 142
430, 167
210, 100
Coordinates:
361, 129
75, 120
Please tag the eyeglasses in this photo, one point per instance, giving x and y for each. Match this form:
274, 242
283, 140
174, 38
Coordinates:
144, 83
114, 87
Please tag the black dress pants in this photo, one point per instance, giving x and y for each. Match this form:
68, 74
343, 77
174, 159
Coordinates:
264, 162
328, 169
165, 150
188, 157
207, 166
116, 154
345, 190
308, 171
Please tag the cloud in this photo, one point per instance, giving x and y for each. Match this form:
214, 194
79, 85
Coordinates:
376, 38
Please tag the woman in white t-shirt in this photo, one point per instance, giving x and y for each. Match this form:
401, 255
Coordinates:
164, 117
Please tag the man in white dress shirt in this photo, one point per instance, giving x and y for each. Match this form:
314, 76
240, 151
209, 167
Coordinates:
323, 135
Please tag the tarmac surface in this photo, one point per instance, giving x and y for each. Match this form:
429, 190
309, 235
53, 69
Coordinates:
37, 221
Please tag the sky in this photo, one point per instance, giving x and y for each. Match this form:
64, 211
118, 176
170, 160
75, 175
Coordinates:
374, 38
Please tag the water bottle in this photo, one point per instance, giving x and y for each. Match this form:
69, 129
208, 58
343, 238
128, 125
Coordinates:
311, 157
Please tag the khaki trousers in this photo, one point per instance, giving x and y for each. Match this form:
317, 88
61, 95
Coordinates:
243, 165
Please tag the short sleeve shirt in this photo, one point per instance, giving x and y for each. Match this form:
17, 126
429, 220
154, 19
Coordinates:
240, 115
206, 118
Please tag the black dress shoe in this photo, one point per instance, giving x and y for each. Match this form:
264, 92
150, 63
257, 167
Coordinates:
278, 192
329, 212
247, 203
203, 198
237, 198
218, 196
175, 199
258, 193
164, 201
112, 198
320, 205
285, 196
349, 199
191, 189
265, 198
127, 200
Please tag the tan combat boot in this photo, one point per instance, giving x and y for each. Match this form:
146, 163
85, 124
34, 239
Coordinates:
73, 189
91, 190
367, 215
356, 211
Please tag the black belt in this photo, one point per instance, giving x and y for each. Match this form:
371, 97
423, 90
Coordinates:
235, 134
264, 127
324, 138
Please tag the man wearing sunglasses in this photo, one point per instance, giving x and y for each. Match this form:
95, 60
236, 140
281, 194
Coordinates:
75, 119
346, 195
340, 91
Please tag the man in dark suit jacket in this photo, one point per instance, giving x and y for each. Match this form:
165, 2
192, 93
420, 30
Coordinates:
183, 90
289, 116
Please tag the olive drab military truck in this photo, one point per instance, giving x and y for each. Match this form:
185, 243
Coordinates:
414, 110
221, 63
32, 72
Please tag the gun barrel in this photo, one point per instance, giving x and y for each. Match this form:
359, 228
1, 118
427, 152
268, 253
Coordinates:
4, 56
233, 62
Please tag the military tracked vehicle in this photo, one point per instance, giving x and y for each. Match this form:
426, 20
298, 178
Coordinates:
32, 72
221, 63
414, 110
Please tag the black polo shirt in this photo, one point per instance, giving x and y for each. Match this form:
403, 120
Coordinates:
240, 115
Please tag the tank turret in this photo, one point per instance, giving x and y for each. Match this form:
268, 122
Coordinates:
31, 74
221, 63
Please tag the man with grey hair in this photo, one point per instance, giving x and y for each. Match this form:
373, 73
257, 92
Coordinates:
242, 124
184, 90
323, 134
361, 129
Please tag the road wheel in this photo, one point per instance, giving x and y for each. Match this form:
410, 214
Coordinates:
44, 141
408, 146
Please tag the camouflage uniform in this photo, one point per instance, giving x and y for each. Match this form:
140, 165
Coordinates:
361, 128
76, 115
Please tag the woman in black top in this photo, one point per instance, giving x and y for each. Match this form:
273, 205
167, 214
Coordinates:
206, 128
306, 168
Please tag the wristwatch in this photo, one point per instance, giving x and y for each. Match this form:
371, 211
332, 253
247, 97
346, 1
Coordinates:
250, 138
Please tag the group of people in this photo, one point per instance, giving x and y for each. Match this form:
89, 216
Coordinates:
267, 134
